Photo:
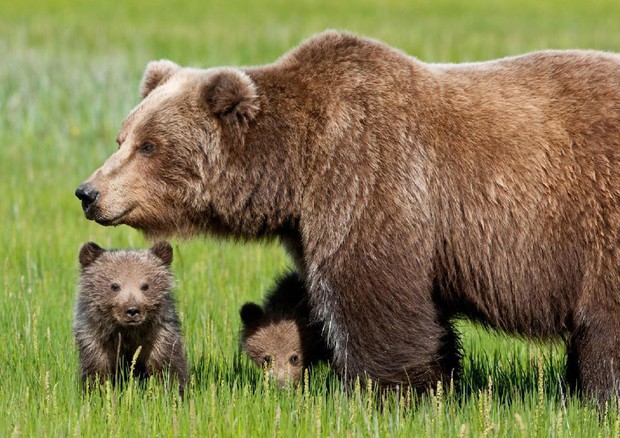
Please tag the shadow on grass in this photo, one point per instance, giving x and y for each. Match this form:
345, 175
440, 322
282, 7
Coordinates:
507, 366
513, 377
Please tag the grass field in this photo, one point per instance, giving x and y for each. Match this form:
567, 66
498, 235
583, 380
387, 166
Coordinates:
69, 73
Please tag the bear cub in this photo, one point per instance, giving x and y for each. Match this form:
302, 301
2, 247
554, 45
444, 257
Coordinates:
124, 303
280, 335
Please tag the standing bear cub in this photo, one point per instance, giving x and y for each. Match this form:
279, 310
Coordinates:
124, 304
408, 194
280, 334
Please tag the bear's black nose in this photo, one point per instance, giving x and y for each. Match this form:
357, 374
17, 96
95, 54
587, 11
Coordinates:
87, 194
132, 312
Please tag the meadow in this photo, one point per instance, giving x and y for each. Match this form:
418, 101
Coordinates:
69, 73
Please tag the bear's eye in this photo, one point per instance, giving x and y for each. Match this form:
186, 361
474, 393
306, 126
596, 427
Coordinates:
294, 359
115, 287
144, 287
266, 359
147, 148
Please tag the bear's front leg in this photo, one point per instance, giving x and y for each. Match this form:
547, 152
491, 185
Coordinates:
382, 322
95, 362
168, 354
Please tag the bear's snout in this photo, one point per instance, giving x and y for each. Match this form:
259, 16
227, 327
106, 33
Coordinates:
87, 194
132, 312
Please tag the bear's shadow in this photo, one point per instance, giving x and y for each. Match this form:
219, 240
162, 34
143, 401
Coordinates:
507, 376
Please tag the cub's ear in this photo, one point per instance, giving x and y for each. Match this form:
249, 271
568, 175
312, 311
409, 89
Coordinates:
231, 95
163, 251
251, 314
155, 74
89, 252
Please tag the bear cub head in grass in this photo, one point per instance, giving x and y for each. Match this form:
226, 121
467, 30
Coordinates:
280, 335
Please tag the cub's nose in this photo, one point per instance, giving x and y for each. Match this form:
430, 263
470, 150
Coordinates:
132, 312
87, 194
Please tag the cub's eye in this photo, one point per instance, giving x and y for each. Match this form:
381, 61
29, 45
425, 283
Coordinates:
294, 359
144, 287
147, 148
115, 287
266, 360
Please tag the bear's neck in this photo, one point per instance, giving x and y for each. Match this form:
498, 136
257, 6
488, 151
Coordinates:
260, 193
331, 149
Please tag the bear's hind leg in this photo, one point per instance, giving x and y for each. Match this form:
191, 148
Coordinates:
593, 353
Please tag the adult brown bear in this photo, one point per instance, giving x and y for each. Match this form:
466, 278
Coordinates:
407, 193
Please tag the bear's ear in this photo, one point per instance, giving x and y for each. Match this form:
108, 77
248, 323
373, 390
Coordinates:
163, 251
251, 314
155, 74
89, 252
232, 96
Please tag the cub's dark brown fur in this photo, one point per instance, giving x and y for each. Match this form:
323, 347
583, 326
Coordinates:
407, 193
123, 304
280, 334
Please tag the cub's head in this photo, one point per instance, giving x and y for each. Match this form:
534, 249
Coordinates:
173, 150
279, 344
126, 288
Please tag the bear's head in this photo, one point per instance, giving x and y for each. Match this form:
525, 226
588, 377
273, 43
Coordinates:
179, 168
279, 344
124, 288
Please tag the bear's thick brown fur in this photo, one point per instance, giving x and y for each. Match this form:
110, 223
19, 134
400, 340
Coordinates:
407, 193
280, 334
123, 304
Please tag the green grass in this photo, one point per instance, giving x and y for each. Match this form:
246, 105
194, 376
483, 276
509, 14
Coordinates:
69, 73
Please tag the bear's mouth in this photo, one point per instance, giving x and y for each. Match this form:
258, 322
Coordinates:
116, 220
131, 322
90, 211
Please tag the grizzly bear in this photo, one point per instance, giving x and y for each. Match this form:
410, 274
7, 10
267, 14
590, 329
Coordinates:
280, 335
123, 304
407, 193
